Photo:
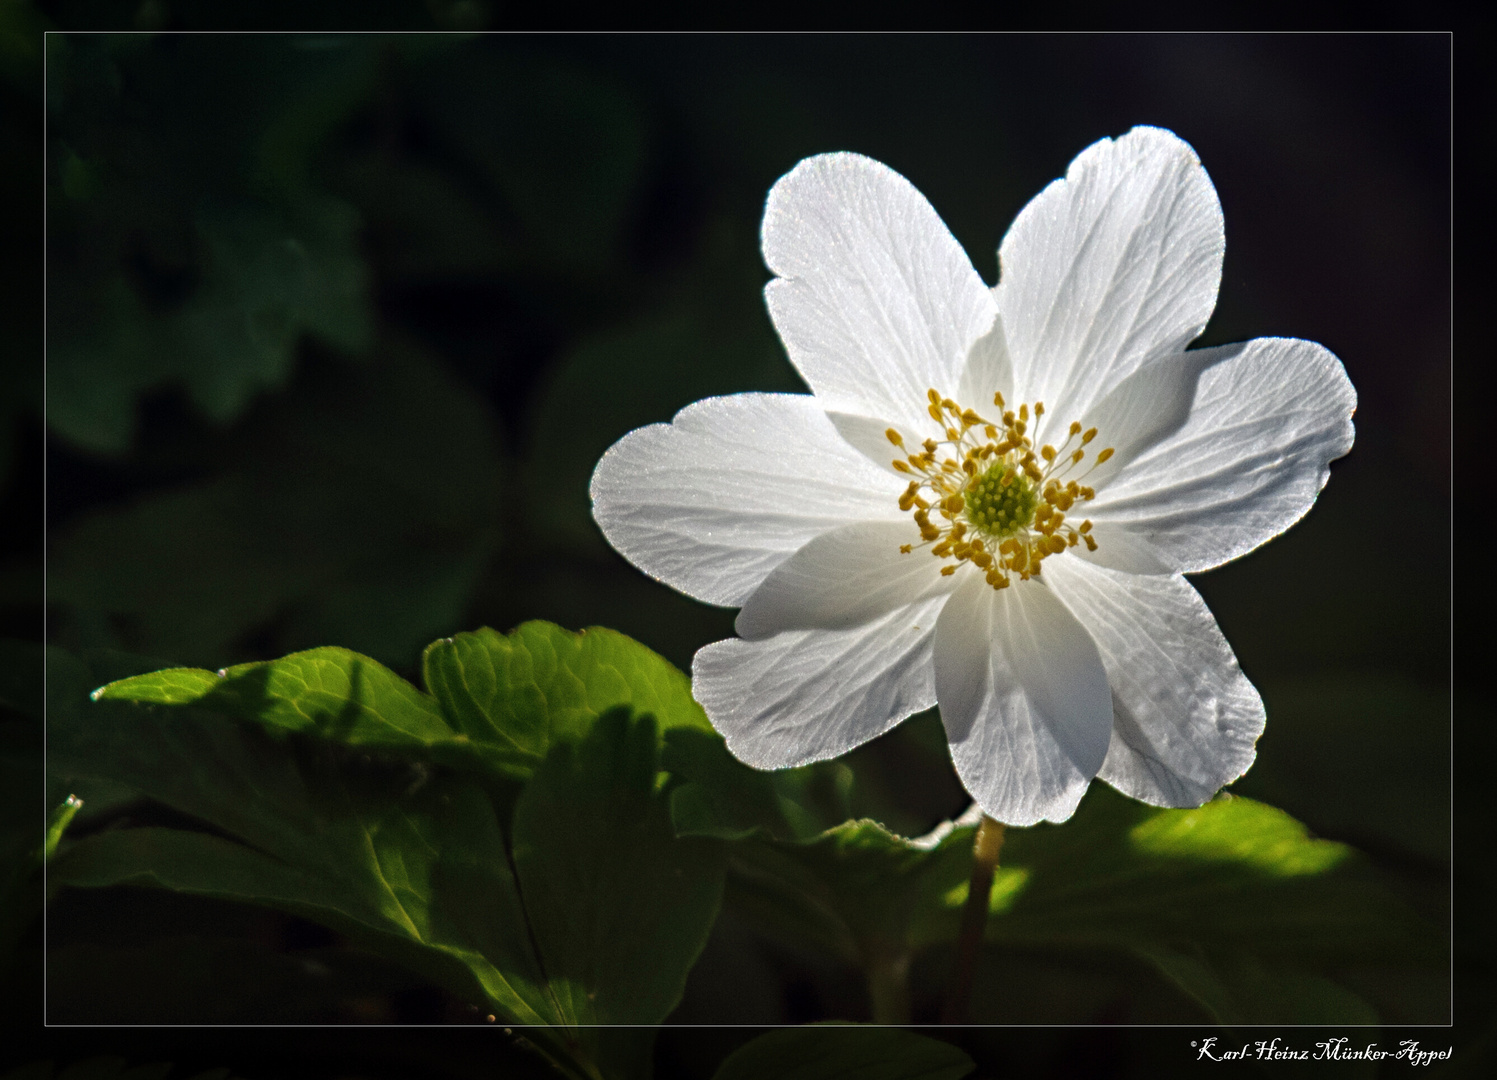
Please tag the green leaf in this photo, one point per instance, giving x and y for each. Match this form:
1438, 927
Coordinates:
594, 917
845, 1052
497, 702
1240, 989
414, 865
1233, 872
727, 800
329, 691
618, 906
518, 694
1360, 755
1233, 903
58, 823
857, 889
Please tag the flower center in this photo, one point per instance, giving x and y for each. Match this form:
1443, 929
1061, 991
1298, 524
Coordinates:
1000, 505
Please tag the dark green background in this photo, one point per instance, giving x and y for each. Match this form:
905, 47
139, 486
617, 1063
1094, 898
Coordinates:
338, 325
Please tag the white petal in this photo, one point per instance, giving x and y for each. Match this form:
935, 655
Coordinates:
845, 577
870, 437
1185, 717
713, 501
988, 370
1115, 264
809, 695
1266, 420
1024, 699
875, 300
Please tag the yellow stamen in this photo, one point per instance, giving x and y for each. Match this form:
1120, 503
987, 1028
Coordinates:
1001, 505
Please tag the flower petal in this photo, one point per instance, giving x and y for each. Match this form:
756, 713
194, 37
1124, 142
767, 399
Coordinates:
875, 300
1266, 420
1024, 699
1185, 717
809, 695
985, 371
988, 370
842, 578
713, 501
1115, 264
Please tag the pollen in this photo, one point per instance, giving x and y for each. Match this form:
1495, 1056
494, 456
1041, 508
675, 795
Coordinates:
1000, 503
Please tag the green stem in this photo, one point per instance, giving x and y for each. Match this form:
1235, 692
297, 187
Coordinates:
985, 848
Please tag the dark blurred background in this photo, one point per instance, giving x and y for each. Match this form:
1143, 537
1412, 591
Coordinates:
338, 325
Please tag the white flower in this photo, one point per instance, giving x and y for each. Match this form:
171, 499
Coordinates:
1101, 660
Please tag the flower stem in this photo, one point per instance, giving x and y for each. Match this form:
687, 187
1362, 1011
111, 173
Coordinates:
985, 848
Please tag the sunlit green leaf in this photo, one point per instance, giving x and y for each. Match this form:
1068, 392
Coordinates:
1364, 756
57, 824
497, 701
363, 851
329, 691
1233, 872
517, 694
1227, 902
598, 922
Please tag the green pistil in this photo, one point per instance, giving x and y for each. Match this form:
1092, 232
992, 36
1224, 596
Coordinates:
1000, 510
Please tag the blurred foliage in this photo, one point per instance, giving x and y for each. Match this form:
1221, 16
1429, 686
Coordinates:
185, 244
339, 325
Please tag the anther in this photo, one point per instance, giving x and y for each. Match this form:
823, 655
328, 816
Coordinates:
894, 437
1091, 433
1104, 455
